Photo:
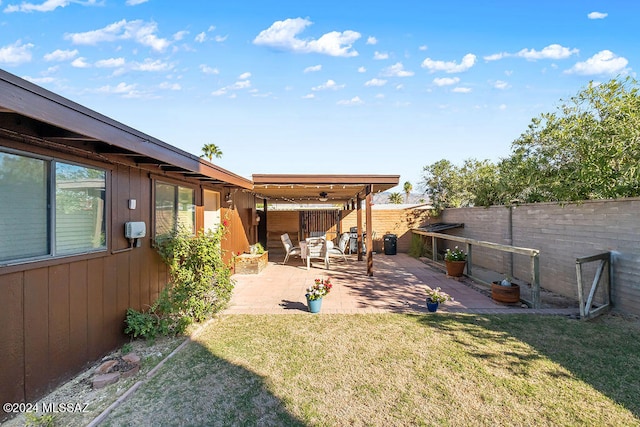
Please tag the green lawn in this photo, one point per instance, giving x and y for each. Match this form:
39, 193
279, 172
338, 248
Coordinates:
391, 369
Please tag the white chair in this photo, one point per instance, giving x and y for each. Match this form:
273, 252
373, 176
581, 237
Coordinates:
289, 248
342, 246
317, 248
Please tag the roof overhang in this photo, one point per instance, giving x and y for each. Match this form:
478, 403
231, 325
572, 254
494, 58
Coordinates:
307, 189
33, 113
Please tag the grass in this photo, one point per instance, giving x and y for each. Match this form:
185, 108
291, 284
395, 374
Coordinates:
393, 369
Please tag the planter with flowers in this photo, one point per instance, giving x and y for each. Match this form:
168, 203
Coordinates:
455, 261
320, 288
436, 297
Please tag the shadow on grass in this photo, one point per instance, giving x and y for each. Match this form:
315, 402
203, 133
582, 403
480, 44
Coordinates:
196, 388
604, 353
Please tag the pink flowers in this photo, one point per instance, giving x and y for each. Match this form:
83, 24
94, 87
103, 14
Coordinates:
321, 288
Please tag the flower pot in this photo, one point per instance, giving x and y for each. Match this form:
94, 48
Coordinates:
314, 305
455, 268
432, 306
506, 294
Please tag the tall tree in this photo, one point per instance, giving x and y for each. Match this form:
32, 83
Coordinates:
588, 149
407, 191
395, 198
210, 151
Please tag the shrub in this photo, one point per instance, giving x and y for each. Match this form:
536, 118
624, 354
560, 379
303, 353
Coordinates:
200, 285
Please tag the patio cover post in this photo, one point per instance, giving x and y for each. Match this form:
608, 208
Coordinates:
369, 241
359, 224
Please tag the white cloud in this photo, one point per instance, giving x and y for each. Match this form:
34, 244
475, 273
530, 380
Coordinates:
372, 40
243, 84
397, 70
219, 92
211, 28
329, 85
208, 70
461, 90
502, 107
15, 54
180, 35
135, 2
121, 89
500, 84
553, 51
603, 62
239, 85
309, 96
80, 63
110, 63
353, 101
399, 87
244, 76
375, 82
282, 35
362, 70
423, 47
597, 15
313, 68
380, 55
446, 81
220, 39
46, 6
170, 86
467, 62
139, 31
495, 56
151, 65
201, 38
61, 55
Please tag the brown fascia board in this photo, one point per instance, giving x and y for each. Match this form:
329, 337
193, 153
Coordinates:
33, 101
380, 182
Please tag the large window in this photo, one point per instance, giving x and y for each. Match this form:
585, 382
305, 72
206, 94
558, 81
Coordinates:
49, 208
175, 208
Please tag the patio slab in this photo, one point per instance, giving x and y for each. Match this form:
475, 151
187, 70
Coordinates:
398, 285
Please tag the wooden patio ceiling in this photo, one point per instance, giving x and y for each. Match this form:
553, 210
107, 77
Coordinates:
313, 189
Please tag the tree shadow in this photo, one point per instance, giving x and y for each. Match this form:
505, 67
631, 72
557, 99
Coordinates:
604, 353
197, 388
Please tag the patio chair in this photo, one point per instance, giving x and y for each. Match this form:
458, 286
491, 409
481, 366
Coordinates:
317, 248
289, 248
342, 246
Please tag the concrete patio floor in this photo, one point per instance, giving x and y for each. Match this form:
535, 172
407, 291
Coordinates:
398, 285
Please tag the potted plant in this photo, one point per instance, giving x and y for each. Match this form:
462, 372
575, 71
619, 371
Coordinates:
320, 288
505, 291
455, 261
436, 297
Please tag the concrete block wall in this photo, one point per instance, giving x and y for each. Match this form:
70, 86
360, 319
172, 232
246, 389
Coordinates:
563, 233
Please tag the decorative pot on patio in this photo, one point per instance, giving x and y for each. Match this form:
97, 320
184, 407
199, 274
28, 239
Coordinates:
314, 305
507, 294
455, 268
432, 306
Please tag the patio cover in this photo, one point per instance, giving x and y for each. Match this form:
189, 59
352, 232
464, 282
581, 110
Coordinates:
346, 190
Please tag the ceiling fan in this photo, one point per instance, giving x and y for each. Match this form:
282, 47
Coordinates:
323, 196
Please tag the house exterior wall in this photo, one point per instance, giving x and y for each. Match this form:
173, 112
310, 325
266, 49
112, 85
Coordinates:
563, 233
58, 315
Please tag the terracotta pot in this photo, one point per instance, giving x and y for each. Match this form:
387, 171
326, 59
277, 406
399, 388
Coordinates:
506, 294
455, 268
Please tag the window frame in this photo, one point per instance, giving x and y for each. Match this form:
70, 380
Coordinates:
177, 185
50, 163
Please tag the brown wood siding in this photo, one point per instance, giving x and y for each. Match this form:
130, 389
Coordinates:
278, 223
58, 315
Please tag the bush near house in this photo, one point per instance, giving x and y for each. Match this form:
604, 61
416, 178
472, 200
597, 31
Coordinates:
200, 285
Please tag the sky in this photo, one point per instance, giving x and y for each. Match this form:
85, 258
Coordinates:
349, 87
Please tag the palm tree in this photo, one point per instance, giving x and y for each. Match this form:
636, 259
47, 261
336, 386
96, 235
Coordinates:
395, 198
211, 150
407, 191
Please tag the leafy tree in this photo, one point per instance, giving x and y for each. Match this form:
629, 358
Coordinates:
395, 198
407, 191
210, 151
589, 149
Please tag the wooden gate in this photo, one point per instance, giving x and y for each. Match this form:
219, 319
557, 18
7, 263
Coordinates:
315, 222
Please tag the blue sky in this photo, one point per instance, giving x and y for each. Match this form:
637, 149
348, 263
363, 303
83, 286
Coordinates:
322, 87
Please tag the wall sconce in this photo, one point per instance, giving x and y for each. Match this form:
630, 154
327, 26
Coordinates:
323, 197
